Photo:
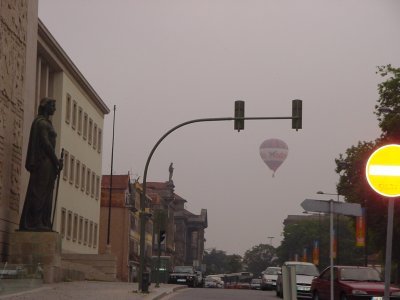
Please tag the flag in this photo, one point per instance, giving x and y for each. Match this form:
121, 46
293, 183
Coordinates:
304, 254
360, 230
315, 253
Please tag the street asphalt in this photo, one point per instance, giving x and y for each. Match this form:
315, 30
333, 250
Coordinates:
93, 290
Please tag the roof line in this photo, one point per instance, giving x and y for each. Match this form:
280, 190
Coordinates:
70, 66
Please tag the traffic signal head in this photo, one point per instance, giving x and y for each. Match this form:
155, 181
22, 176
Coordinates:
239, 113
162, 235
297, 114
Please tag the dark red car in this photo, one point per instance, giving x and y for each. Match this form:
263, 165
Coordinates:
351, 282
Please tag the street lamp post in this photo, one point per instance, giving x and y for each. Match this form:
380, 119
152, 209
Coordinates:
337, 223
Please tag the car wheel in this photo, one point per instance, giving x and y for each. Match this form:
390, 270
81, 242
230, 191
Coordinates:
315, 296
343, 296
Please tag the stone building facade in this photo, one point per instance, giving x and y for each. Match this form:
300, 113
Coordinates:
33, 65
185, 230
18, 36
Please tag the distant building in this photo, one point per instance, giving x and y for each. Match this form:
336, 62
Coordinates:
189, 236
185, 230
124, 224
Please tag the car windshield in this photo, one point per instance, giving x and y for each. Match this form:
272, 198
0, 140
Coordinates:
359, 274
272, 271
309, 270
183, 269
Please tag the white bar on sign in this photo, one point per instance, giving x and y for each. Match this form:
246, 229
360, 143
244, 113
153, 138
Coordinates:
380, 170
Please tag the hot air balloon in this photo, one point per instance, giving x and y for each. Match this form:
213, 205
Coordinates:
273, 152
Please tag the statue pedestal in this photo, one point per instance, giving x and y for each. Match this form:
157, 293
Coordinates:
33, 248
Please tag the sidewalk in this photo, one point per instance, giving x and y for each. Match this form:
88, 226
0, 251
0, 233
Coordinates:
93, 290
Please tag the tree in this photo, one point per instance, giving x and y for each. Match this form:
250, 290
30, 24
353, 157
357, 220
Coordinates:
258, 258
234, 263
302, 234
218, 262
351, 166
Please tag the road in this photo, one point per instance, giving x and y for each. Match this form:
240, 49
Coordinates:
221, 294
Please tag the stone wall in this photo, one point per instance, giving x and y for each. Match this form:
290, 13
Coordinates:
15, 41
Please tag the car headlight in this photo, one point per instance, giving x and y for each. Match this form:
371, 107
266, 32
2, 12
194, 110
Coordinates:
358, 292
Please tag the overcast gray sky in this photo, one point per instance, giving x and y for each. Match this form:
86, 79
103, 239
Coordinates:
166, 62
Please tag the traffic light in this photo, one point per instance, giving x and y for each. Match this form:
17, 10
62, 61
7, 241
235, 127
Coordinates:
297, 114
162, 236
239, 113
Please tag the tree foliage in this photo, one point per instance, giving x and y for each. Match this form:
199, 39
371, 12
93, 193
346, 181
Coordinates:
218, 262
351, 165
299, 238
258, 258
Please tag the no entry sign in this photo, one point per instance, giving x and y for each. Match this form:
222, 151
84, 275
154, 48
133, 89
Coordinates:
383, 170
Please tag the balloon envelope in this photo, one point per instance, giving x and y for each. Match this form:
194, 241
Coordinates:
273, 152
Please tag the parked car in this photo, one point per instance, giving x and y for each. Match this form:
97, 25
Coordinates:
268, 278
351, 282
213, 282
305, 273
184, 275
255, 284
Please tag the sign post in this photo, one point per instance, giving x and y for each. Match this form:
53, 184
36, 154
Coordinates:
383, 175
332, 207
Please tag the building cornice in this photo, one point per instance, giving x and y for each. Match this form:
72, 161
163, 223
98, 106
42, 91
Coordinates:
52, 45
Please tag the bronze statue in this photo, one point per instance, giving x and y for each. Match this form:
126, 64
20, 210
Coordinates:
44, 167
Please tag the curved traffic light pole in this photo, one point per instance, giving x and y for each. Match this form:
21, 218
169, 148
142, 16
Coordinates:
143, 215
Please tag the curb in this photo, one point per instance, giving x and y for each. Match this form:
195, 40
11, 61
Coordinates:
6, 296
162, 295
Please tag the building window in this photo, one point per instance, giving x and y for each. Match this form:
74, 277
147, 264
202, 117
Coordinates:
68, 109
69, 225
77, 173
80, 116
85, 232
93, 184
90, 234
90, 136
72, 170
66, 164
74, 113
85, 125
97, 187
94, 136
83, 173
88, 174
75, 231
99, 140
95, 235
80, 235
63, 221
